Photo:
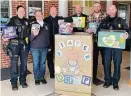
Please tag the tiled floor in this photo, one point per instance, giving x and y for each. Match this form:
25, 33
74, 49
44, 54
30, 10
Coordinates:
48, 89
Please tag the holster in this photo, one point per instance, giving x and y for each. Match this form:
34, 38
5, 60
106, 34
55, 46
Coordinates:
7, 50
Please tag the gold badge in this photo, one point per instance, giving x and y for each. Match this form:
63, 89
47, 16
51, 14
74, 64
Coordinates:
27, 40
119, 25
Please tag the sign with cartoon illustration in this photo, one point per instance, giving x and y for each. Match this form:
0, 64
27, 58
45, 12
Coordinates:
113, 39
93, 26
9, 32
73, 64
35, 28
79, 22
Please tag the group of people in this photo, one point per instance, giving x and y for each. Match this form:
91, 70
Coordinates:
41, 43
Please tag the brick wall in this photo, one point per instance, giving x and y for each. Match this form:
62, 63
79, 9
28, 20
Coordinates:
48, 4
70, 8
15, 3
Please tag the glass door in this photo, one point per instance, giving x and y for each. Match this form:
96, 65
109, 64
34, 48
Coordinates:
123, 12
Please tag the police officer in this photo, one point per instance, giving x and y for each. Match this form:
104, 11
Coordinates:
112, 22
52, 21
19, 47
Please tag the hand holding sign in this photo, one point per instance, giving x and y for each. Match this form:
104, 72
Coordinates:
60, 21
126, 35
36, 32
5, 39
89, 30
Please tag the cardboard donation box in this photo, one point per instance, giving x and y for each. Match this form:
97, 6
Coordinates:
73, 64
111, 39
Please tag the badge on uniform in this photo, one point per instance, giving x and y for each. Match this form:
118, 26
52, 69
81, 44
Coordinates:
46, 27
26, 23
27, 40
119, 25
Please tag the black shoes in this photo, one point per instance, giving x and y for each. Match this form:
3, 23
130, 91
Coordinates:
43, 81
24, 85
37, 82
14, 87
106, 85
52, 76
115, 87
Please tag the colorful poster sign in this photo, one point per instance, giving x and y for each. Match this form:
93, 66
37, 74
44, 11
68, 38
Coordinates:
113, 39
79, 22
9, 32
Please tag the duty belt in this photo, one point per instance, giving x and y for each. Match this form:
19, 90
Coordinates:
16, 41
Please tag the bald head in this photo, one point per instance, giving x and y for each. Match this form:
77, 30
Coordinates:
78, 9
53, 11
111, 11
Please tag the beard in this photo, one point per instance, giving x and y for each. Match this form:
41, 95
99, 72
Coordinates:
96, 11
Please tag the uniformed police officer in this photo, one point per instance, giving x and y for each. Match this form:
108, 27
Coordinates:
19, 47
52, 21
112, 22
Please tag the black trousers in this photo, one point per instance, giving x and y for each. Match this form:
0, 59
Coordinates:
22, 52
95, 59
116, 55
50, 62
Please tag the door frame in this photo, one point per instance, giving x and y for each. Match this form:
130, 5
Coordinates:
128, 11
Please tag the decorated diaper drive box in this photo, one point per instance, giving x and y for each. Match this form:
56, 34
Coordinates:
111, 39
9, 32
73, 64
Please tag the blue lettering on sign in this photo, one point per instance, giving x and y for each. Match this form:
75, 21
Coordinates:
86, 80
68, 79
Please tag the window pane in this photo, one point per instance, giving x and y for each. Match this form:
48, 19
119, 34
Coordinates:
4, 11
